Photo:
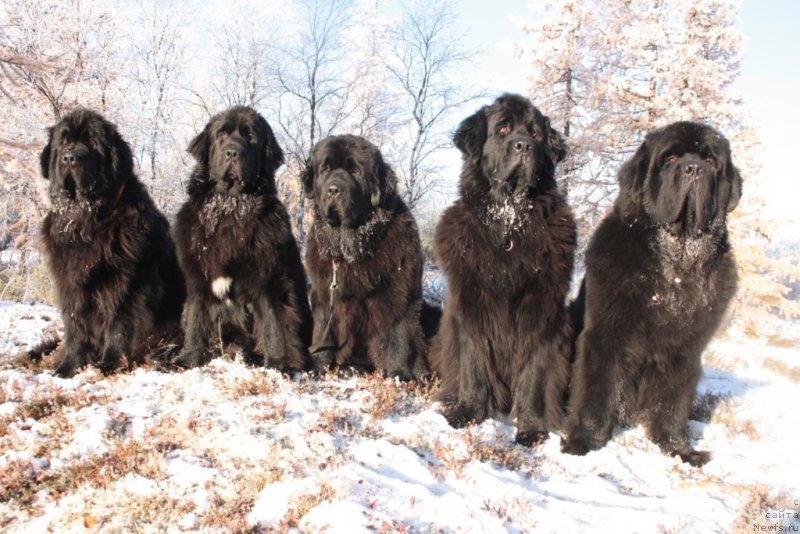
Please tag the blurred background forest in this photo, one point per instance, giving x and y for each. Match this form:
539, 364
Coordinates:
401, 73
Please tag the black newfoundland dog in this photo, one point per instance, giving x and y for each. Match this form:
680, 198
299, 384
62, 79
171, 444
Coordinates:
244, 277
107, 246
659, 275
506, 247
365, 262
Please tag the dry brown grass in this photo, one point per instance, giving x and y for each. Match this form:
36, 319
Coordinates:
759, 503
21, 480
48, 403
305, 503
783, 369
256, 385
390, 397
725, 414
496, 450
151, 513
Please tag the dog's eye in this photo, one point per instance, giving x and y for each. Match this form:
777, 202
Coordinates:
222, 135
92, 144
504, 129
324, 169
534, 134
355, 171
672, 158
711, 162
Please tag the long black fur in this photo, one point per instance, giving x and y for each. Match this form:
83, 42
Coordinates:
659, 276
363, 228
506, 247
245, 279
107, 246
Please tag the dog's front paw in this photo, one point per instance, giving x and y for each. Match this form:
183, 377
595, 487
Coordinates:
322, 360
693, 457
69, 364
188, 359
462, 415
531, 438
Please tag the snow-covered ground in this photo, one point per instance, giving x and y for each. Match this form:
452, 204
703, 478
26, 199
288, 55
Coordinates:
230, 448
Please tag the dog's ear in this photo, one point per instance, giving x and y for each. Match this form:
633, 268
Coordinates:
633, 173
200, 145
556, 145
631, 179
736, 188
307, 176
387, 184
44, 157
121, 155
273, 154
727, 173
471, 135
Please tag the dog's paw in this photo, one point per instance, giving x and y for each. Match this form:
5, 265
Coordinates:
578, 445
187, 359
69, 365
531, 438
693, 457
460, 416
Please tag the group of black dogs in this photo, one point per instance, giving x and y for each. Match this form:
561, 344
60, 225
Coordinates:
659, 270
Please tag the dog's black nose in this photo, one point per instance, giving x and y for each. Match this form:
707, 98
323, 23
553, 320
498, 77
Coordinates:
333, 190
522, 146
231, 154
70, 158
692, 170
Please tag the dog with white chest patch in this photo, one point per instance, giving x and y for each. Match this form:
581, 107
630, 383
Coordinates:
246, 282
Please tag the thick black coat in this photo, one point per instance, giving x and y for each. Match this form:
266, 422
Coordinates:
364, 233
659, 276
244, 276
107, 246
506, 247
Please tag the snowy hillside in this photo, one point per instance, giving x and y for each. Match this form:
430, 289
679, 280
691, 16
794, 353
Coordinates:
230, 448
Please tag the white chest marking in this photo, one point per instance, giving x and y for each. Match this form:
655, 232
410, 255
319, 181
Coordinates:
220, 286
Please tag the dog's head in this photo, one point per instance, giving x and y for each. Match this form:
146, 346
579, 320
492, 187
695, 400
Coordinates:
681, 177
348, 179
236, 154
512, 145
86, 160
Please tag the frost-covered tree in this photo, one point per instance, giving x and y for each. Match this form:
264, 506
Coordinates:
425, 53
614, 69
156, 67
375, 111
54, 55
313, 88
564, 74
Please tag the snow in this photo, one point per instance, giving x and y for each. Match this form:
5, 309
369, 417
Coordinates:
227, 447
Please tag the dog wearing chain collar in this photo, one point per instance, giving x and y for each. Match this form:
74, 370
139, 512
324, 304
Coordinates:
365, 262
506, 247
